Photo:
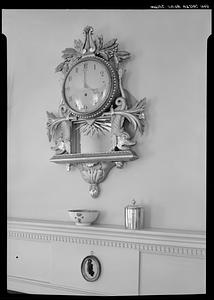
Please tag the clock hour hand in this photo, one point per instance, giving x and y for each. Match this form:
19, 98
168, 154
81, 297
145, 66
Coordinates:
96, 91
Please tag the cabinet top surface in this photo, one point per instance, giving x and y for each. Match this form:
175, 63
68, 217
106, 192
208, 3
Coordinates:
101, 228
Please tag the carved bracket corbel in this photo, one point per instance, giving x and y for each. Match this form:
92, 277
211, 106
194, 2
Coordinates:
94, 174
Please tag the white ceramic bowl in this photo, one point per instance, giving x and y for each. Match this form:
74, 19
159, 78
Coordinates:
83, 217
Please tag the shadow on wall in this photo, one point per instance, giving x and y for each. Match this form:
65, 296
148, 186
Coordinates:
147, 215
143, 141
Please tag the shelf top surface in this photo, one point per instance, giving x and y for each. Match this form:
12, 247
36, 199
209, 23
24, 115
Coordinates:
107, 228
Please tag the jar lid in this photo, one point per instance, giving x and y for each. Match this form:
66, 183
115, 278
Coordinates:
133, 205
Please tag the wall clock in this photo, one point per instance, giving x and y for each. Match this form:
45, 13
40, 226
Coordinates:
94, 103
90, 86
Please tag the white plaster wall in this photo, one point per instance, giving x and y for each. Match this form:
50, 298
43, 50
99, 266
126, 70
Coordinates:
168, 66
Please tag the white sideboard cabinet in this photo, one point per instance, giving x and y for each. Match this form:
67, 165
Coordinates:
45, 257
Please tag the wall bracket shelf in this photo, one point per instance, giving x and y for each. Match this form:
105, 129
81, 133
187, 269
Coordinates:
113, 156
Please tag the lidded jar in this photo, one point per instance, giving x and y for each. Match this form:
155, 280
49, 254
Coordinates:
134, 216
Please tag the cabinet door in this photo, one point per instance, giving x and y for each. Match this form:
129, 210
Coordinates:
119, 268
163, 274
28, 259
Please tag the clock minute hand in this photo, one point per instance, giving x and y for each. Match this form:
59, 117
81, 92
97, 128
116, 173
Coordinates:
85, 84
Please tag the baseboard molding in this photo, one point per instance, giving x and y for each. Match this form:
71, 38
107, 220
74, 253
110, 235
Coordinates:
14, 292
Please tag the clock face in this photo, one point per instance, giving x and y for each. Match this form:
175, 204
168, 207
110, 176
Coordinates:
87, 86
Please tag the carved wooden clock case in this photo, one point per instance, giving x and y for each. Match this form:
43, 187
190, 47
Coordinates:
93, 103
